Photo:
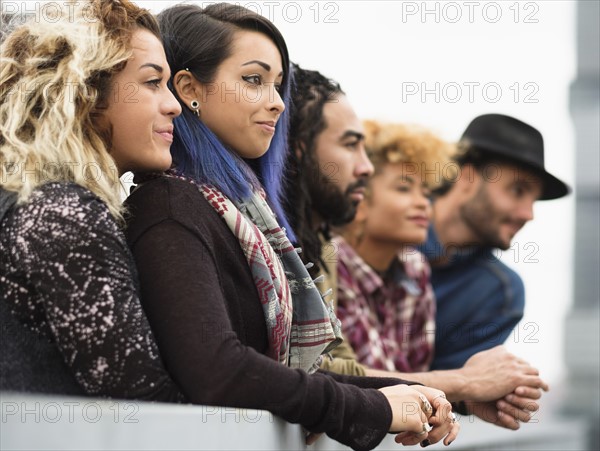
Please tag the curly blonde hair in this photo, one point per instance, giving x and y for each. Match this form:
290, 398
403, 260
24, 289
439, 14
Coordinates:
389, 143
55, 79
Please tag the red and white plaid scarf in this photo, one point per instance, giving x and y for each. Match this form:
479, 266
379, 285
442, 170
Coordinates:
301, 327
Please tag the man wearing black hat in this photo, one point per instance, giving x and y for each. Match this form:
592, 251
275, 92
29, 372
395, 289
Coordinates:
500, 176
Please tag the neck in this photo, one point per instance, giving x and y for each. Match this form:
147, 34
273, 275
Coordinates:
449, 226
377, 254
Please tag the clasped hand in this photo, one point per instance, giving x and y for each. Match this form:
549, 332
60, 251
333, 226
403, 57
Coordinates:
420, 413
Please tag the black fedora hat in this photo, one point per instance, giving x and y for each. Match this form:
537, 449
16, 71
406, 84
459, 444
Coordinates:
510, 138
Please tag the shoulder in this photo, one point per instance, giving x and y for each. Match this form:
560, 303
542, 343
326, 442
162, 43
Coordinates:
169, 199
163, 193
168, 195
59, 217
66, 198
55, 206
500, 271
484, 272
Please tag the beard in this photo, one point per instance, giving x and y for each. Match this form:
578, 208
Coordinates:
333, 205
484, 220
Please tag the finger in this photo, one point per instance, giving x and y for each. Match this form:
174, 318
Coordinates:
443, 410
514, 412
443, 423
529, 381
426, 405
409, 438
443, 413
439, 432
401, 436
534, 383
528, 369
522, 403
439, 401
506, 421
527, 392
413, 439
453, 434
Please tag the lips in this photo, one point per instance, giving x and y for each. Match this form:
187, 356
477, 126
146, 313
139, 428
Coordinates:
422, 221
268, 126
358, 194
166, 133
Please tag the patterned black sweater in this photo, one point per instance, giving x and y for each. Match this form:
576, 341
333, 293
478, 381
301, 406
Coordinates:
67, 275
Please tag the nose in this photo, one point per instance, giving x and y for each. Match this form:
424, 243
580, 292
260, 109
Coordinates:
526, 210
423, 200
423, 204
170, 106
363, 167
275, 102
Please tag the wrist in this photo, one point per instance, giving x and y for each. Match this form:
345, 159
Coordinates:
461, 407
451, 382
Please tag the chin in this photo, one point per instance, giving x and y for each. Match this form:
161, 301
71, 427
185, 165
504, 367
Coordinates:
419, 239
503, 246
253, 154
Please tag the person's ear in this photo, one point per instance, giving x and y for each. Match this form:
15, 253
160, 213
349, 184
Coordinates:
188, 89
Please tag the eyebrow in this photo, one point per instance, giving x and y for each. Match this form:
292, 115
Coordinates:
352, 134
153, 66
265, 66
405, 178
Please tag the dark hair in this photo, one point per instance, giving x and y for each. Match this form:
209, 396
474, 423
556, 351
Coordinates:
199, 39
310, 92
480, 159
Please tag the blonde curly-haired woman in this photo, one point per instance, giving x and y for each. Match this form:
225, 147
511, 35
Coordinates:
83, 98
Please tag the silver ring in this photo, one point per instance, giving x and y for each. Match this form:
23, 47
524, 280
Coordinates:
426, 404
426, 428
452, 417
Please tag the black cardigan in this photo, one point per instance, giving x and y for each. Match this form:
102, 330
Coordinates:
202, 304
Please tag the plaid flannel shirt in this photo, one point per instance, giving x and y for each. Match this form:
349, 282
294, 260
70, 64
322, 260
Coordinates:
388, 319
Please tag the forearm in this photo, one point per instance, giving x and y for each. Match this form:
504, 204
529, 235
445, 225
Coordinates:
451, 382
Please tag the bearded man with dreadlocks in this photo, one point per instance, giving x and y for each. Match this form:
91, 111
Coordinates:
328, 171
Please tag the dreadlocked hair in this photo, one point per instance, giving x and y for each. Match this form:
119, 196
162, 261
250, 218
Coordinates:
310, 92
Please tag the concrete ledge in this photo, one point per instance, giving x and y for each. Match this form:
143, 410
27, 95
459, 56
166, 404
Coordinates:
61, 423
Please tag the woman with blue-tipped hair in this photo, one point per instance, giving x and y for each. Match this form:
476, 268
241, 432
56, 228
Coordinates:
236, 315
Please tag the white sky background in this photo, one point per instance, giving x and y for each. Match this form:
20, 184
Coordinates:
386, 53
381, 53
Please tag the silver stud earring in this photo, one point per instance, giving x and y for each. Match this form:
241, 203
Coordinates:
195, 105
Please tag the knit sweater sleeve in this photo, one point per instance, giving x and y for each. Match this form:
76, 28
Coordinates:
68, 274
183, 297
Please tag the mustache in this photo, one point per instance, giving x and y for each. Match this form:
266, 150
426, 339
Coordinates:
360, 183
517, 223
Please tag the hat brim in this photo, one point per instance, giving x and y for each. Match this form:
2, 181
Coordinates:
553, 187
